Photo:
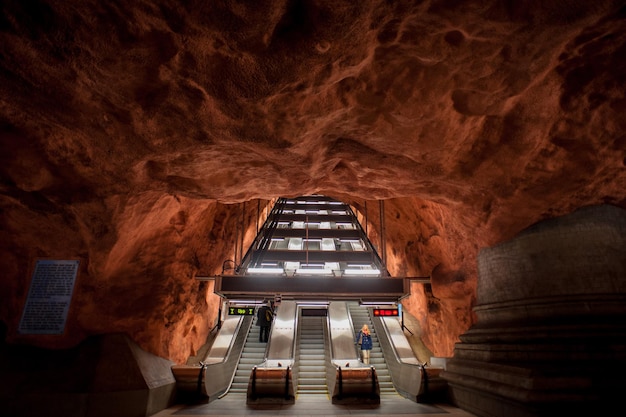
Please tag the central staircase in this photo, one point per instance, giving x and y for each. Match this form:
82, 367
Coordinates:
312, 357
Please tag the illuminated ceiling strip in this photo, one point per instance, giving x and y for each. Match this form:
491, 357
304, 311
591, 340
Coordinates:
361, 272
306, 271
377, 303
264, 271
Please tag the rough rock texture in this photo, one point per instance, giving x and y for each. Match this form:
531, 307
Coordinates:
146, 138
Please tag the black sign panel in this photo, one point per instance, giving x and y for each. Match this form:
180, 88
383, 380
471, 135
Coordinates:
385, 312
241, 311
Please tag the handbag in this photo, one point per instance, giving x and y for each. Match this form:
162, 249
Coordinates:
360, 338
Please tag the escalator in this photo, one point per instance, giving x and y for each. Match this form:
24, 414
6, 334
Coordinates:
311, 364
360, 316
307, 354
252, 355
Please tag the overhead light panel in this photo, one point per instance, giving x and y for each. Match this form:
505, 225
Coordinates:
264, 271
361, 272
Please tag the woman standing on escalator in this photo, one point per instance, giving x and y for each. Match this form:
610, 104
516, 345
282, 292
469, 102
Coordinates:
364, 339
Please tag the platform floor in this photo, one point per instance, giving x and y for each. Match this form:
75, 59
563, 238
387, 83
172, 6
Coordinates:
314, 406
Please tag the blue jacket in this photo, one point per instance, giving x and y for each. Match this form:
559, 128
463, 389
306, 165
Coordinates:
366, 341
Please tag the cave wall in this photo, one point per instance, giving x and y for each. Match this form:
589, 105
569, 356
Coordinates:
426, 239
133, 135
139, 278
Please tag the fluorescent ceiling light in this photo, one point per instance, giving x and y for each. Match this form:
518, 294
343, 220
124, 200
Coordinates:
245, 302
264, 271
312, 303
377, 303
307, 271
361, 272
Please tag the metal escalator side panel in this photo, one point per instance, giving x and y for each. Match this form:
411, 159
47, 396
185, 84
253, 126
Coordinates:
341, 334
223, 342
404, 367
281, 347
272, 380
220, 372
401, 347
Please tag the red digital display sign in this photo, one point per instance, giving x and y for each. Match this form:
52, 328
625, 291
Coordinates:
385, 312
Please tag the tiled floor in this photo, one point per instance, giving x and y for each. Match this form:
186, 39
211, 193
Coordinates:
313, 405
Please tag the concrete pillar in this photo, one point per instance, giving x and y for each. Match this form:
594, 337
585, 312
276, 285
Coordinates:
550, 336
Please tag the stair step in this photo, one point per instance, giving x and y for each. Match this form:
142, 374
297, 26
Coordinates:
319, 356
309, 392
309, 349
252, 361
310, 387
318, 370
311, 357
312, 360
318, 377
255, 347
311, 382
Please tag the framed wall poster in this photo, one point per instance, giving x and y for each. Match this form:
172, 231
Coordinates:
49, 297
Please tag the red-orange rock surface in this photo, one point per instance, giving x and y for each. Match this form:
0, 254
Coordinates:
132, 134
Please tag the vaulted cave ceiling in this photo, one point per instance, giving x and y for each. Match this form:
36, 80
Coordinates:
127, 129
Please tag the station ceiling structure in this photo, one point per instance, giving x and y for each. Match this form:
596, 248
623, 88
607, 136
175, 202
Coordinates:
313, 247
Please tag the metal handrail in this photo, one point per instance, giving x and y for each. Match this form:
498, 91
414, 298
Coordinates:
328, 337
294, 344
232, 377
407, 377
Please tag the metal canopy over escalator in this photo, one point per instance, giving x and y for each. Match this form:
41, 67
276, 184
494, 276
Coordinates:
313, 247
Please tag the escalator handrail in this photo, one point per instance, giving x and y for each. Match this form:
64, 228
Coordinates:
232, 378
397, 357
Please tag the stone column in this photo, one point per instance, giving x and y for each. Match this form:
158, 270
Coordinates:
550, 336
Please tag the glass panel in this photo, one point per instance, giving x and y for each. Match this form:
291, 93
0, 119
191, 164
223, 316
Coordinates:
295, 243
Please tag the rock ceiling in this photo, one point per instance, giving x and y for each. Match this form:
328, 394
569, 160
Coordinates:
130, 130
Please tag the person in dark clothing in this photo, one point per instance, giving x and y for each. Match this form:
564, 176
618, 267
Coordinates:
264, 318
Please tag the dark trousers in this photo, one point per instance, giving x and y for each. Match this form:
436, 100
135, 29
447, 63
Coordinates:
264, 334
